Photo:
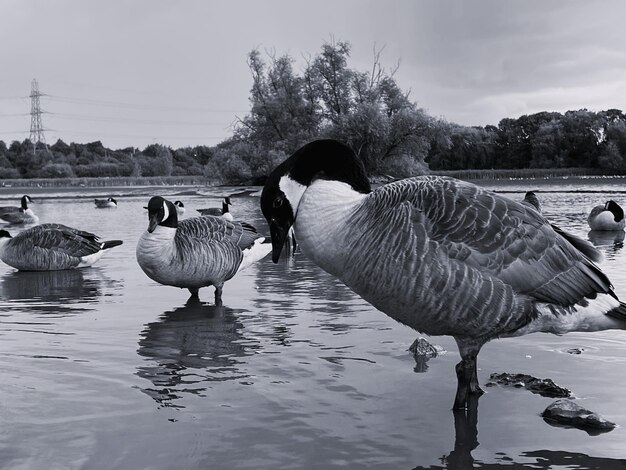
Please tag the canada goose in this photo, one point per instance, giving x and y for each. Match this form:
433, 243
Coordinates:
180, 208
530, 199
50, 247
196, 252
106, 203
610, 216
20, 215
23, 205
440, 255
223, 212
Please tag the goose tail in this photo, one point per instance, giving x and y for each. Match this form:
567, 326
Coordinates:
110, 244
619, 313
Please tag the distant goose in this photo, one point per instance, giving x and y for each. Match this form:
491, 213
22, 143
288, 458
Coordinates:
196, 252
51, 247
180, 208
610, 216
23, 206
105, 203
223, 212
442, 256
531, 200
20, 215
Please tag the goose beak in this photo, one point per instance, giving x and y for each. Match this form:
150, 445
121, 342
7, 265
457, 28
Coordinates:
153, 222
278, 233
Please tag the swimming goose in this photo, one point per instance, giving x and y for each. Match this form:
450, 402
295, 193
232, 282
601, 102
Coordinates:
196, 252
442, 256
610, 216
530, 199
106, 203
51, 247
223, 212
180, 208
23, 205
19, 215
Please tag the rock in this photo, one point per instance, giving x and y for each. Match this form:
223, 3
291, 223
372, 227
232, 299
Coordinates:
543, 387
575, 350
422, 351
568, 413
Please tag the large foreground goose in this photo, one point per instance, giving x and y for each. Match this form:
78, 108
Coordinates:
223, 212
609, 216
19, 215
442, 256
51, 247
196, 252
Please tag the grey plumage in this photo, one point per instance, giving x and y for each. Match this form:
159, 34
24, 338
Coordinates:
442, 256
50, 247
109, 202
216, 212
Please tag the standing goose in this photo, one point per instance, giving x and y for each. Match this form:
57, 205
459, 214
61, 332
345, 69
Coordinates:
223, 212
180, 208
196, 252
106, 203
610, 216
442, 256
19, 215
51, 247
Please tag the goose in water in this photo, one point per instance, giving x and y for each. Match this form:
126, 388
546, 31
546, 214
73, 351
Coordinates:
23, 205
442, 256
106, 203
180, 208
223, 212
531, 200
196, 252
51, 247
610, 216
19, 215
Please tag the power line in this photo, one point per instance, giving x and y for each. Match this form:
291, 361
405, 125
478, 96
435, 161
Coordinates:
141, 106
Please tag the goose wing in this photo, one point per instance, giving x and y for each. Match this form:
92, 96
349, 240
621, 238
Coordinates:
7, 209
493, 234
14, 217
211, 211
58, 237
239, 234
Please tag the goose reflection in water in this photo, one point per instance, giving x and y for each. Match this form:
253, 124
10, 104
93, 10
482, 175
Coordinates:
609, 241
190, 347
51, 291
466, 440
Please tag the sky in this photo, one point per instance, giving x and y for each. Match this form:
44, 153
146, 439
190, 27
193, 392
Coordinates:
137, 72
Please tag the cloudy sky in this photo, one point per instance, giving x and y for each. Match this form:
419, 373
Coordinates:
135, 72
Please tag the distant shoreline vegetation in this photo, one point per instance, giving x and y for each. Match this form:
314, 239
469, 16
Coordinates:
552, 174
366, 110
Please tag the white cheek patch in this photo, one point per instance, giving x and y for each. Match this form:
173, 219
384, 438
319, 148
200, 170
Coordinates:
293, 191
166, 212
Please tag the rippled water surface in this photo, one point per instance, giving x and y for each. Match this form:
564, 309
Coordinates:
104, 369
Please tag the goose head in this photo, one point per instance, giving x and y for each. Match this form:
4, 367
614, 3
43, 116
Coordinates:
25, 200
615, 209
179, 204
161, 212
5, 236
283, 190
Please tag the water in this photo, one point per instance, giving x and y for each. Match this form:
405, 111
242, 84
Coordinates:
104, 369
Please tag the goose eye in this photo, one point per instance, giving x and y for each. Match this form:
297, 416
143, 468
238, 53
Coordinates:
278, 202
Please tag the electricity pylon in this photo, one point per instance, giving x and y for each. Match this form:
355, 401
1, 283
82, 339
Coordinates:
36, 127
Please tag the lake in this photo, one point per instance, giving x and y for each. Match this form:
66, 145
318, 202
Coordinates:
103, 368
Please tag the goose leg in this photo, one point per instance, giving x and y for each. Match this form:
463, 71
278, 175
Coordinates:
218, 295
467, 374
194, 292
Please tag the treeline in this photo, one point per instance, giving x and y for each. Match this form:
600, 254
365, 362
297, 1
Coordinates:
365, 109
